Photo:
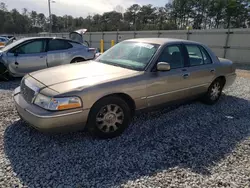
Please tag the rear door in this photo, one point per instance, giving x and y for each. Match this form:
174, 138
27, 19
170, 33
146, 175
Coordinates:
59, 52
28, 57
200, 67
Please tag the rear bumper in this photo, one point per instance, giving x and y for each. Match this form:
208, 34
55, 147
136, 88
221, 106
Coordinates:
230, 80
47, 121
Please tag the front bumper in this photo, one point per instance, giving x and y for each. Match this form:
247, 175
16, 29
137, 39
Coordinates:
48, 121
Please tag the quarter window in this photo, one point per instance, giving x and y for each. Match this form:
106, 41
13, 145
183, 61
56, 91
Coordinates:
58, 45
172, 55
37, 46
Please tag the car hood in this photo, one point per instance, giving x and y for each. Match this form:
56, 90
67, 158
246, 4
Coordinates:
66, 78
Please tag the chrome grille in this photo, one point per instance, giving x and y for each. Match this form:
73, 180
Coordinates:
27, 93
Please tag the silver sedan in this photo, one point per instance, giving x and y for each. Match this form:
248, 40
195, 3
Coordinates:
32, 54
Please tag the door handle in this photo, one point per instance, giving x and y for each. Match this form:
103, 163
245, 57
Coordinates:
41, 56
186, 75
212, 70
16, 63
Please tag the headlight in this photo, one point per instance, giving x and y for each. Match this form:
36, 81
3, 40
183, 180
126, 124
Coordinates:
55, 104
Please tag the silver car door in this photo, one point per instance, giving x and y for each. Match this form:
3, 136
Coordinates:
167, 86
201, 69
59, 52
28, 57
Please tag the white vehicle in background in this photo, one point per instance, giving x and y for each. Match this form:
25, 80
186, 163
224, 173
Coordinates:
31, 54
3, 42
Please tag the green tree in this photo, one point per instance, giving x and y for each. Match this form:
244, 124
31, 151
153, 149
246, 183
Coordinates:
177, 14
33, 17
131, 16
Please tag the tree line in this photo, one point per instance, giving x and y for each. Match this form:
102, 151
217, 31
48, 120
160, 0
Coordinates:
176, 14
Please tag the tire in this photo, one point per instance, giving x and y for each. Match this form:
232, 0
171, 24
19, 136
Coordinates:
4, 73
109, 117
214, 92
78, 59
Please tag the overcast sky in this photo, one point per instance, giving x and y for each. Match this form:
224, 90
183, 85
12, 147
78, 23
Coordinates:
76, 7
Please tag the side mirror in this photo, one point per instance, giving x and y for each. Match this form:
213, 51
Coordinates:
163, 66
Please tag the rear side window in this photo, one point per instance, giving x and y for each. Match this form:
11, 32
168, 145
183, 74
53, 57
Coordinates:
198, 55
206, 56
195, 55
55, 45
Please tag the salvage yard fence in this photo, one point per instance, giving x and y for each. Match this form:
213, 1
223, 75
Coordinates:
233, 44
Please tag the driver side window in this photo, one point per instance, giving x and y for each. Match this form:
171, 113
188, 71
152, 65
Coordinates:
37, 46
172, 55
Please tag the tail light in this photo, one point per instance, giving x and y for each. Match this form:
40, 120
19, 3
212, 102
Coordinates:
92, 50
2, 43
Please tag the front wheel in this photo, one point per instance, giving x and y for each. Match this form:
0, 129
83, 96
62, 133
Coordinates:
214, 92
4, 73
109, 117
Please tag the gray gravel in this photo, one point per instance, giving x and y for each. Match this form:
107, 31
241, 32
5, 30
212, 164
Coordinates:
192, 145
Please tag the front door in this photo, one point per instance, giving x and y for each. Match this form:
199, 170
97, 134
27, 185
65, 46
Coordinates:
28, 57
167, 86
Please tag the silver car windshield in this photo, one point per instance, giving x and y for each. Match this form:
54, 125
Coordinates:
130, 55
3, 39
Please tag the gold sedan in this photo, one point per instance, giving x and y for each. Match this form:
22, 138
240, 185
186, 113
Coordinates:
137, 74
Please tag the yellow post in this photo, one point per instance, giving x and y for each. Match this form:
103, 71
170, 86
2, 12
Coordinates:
112, 43
102, 46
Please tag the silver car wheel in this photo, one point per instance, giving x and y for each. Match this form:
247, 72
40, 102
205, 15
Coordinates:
215, 91
109, 118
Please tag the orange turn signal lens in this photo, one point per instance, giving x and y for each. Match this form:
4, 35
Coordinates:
68, 106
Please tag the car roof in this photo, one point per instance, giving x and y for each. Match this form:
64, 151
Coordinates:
33, 38
30, 38
161, 41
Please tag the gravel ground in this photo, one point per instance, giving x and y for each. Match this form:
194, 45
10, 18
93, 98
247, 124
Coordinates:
192, 145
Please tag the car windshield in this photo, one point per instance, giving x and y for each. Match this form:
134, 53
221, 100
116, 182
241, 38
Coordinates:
3, 39
6, 48
130, 54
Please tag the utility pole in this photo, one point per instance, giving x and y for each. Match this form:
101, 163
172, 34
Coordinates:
50, 20
50, 16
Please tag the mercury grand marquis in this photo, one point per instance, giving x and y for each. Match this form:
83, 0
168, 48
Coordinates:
102, 95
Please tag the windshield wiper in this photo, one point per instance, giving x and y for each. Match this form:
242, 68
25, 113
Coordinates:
131, 67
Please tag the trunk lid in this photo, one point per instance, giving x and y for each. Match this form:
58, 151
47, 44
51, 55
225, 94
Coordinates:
78, 35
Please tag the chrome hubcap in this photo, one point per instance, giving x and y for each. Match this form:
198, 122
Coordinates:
109, 118
215, 91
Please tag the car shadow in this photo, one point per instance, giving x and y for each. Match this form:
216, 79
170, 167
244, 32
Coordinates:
241, 66
10, 84
192, 136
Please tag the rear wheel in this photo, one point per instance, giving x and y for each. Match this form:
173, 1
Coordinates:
76, 60
109, 117
214, 92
